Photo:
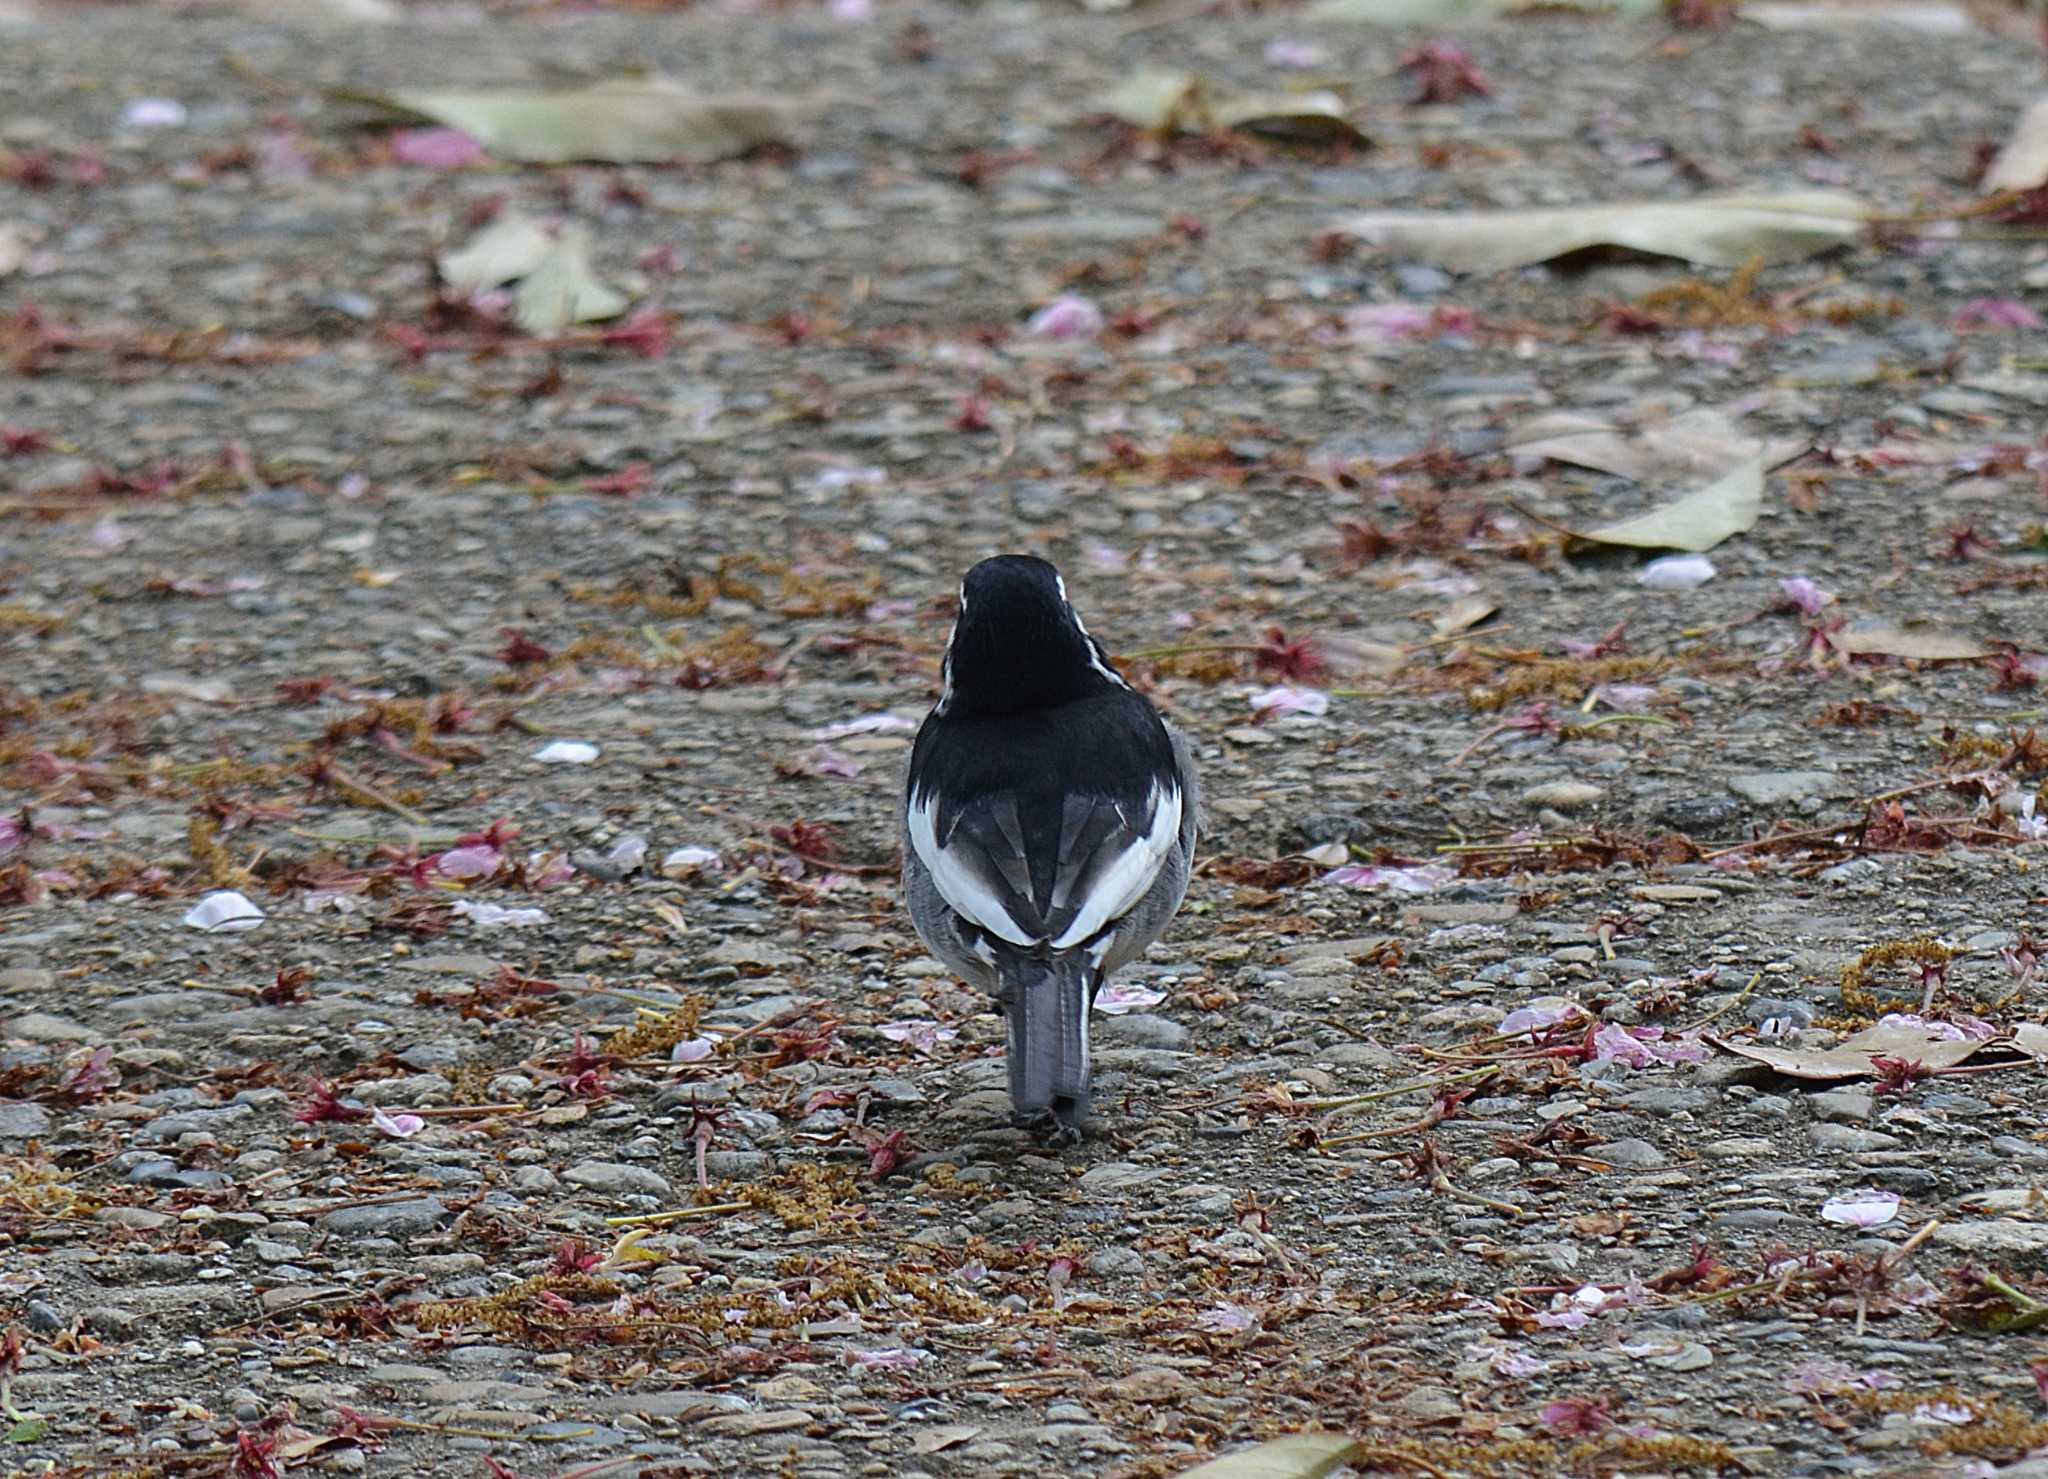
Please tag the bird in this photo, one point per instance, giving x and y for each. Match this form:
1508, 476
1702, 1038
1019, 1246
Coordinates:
1049, 822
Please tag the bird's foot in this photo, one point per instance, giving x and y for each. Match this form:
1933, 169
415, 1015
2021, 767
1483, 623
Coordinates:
1061, 1125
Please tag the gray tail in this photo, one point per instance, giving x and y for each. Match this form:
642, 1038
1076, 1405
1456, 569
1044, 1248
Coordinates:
1046, 1005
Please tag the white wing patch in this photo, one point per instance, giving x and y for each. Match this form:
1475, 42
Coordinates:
1125, 881
969, 897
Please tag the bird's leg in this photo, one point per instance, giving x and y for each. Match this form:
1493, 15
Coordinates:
1068, 1117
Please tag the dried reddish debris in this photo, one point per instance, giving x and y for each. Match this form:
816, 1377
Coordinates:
1443, 73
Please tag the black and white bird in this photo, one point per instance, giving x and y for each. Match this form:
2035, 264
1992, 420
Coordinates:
1049, 825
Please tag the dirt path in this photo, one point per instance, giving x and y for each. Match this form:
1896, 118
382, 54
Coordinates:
306, 574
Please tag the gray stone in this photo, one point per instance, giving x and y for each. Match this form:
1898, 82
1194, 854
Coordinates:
1142, 1030
21, 1120
1699, 815
388, 1220
1113, 1176
1787, 787
1842, 1106
1631, 1155
2000, 1235
44, 1028
1115, 1260
615, 1179
1846, 1137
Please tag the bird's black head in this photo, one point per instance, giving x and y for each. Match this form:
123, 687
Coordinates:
1017, 643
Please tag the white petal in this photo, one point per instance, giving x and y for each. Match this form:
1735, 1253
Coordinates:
222, 912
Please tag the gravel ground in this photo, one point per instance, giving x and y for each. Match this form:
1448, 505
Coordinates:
304, 570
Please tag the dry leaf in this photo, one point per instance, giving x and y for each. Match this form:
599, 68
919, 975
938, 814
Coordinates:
1925, 17
1463, 613
1354, 657
557, 284
502, 252
2031, 1038
563, 289
1698, 521
936, 1440
1180, 102
1695, 443
1300, 1456
1714, 230
1924, 644
2023, 163
625, 120
1851, 1057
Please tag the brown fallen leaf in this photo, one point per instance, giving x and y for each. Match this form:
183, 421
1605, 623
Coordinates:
1701, 442
1724, 508
1299, 1456
935, 1440
1922, 644
2023, 163
1463, 614
1851, 1058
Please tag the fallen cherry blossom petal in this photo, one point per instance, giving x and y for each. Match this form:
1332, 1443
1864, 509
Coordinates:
1226, 1318
1281, 52
1864, 1208
628, 853
1119, 997
689, 859
468, 862
1997, 313
1066, 317
1676, 573
1424, 878
1947, 1414
397, 1126
1287, 699
1804, 596
894, 1358
693, 1050
436, 148
919, 1034
566, 752
153, 113
494, 915
866, 724
223, 911
1538, 1015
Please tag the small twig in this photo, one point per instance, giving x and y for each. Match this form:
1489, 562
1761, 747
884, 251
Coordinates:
341, 780
1350, 1101
661, 1219
1457, 1193
457, 1111
1727, 1006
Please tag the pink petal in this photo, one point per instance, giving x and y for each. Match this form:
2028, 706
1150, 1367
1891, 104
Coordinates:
1866, 1208
1283, 53
1119, 997
1805, 595
397, 1126
1287, 699
436, 148
1066, 317
468, 862
1997, 313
